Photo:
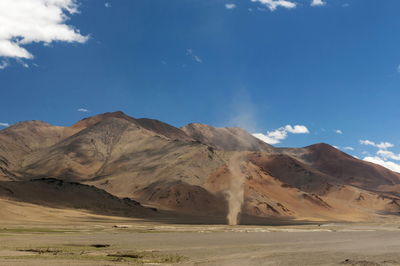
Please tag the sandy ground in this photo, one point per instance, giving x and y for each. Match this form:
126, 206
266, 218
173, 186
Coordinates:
328, 244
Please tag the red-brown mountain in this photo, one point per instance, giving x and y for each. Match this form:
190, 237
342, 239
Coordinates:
187, 170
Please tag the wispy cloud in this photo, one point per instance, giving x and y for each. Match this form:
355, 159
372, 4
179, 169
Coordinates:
318, 3
276, 136
3, 64
230, 6
39, 21
348, 148
22, 63
107, 4
4, 124
382, 145
388, 155
338, 131
83, 110
196, 58
274, 4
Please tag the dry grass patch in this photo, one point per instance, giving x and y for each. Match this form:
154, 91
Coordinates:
96, 252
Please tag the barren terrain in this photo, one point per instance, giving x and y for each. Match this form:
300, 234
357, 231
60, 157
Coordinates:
107, 162
116, 190
119, 241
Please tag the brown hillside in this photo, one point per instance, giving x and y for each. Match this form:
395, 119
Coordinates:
229, 139
188, 170
55, 193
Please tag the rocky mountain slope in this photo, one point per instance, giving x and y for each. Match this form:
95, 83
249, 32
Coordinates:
59, 194
189, 170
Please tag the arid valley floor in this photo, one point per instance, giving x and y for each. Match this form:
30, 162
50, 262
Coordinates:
99, 240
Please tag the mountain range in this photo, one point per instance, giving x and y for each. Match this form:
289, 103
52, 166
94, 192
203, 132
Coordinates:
113, 164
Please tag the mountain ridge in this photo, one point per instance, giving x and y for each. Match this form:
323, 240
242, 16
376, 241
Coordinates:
189, 169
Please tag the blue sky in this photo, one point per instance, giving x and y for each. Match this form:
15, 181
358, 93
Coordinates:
260, 64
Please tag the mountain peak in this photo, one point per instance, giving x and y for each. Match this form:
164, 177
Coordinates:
321, 145
152, 125
90, 121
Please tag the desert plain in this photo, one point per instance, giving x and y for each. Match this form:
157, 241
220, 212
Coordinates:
89, 239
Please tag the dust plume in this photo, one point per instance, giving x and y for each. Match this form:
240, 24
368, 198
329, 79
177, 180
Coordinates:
235, 192
243, 115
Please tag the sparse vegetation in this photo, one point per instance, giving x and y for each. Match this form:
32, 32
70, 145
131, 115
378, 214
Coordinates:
91, 252
149, 257
34, 230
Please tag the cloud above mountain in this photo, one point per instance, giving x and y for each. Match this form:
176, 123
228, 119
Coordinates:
388, 164
388, 155
276, 136
383, 156
25, 22
382, 145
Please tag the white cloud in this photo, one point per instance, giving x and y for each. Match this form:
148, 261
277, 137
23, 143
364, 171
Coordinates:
388, 155
83, 110
348, 148
274, 4
382, 145
388, 164
272, 137
35, 21
107, 4
318, 3
276, 136
230, 6
367, 142
196, 58
4, 124
338, 131
297, 129
383, 155
266, 138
